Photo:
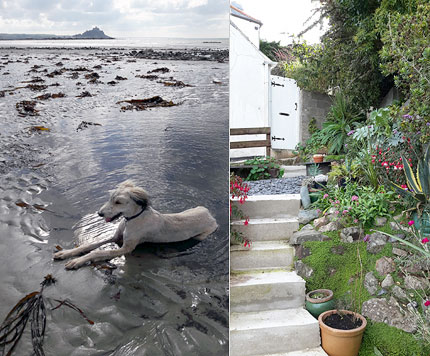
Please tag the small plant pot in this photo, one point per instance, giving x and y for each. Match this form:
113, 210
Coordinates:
336, 342
319, 305
318, 158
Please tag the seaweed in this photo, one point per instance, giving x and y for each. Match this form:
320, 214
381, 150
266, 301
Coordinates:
31, 308
143, 104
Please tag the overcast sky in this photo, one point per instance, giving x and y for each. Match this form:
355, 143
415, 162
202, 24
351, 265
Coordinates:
282, 18
117, 18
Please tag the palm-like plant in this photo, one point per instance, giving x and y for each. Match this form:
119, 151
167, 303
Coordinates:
339, 123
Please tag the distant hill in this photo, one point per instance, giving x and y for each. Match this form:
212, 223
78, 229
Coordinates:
94, 34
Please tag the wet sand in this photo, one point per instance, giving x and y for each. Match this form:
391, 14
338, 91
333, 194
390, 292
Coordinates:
66, 140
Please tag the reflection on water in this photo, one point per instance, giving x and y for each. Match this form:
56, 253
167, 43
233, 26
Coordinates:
160, 300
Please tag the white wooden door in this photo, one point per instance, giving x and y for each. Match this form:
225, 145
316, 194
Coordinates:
285, 125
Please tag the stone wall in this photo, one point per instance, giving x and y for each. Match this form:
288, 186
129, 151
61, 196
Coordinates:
312, 105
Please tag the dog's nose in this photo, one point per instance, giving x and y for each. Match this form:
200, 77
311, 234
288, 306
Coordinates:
100, 213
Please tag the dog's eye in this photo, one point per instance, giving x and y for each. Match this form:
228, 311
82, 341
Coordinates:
117, 202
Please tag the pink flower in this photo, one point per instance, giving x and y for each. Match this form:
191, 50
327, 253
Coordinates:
354, 198
366, 238
345, 212
325, 196
425, 240
411, 222
427, 303
355, 221
404, 186
336, 212
318, 211
337, 202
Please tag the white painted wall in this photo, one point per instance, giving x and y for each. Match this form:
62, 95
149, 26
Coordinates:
249, 89
249, 29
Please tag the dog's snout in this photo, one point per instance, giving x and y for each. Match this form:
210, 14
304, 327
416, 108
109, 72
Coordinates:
100, 213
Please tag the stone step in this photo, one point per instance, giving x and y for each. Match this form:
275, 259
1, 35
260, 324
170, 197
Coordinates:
273, 331
270, 206
267, 229
262, 255
307, 352
257, 291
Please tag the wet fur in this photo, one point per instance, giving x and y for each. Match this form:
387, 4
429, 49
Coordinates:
150, 225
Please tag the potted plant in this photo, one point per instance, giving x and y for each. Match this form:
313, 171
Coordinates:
264, 168
318, 158
341, 332
319, 301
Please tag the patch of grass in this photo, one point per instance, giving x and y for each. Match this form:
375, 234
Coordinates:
390, 341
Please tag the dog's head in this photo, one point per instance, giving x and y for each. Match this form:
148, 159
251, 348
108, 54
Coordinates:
127, 200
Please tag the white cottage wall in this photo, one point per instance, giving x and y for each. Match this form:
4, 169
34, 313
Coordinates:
249, 90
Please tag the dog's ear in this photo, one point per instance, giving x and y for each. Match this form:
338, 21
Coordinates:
140, 197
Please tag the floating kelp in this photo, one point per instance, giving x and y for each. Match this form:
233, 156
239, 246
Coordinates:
159, 70
85, 124
92, 76
27, 108
84, 94
143, 104
35, 80
149, 77
36, 87
55, 73
174, 83
112, 82
50, 96
118, 77
31, 308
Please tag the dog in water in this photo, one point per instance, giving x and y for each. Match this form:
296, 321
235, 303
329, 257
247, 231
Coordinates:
141, 223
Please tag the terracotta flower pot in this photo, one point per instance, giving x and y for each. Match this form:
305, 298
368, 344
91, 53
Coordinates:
337, 342
316, 306
318, 158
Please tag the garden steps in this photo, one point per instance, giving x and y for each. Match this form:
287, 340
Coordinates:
262, 254
268, 229
266, 296
273, 289
273, 331
307, 352
270, 206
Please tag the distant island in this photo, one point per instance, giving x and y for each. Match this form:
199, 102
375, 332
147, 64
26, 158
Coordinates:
94, 34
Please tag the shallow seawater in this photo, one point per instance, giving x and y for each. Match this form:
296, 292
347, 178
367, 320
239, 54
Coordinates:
160, 300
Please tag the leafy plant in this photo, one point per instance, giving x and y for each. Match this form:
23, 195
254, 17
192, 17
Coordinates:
339, 123
260, 168
419, 183
314, 170
355, 204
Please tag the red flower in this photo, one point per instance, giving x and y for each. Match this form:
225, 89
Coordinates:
427, 303
425, 240
246, 222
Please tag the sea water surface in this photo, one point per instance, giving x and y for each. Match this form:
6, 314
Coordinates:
160, 300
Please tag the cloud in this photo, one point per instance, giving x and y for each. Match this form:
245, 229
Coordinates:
131, 18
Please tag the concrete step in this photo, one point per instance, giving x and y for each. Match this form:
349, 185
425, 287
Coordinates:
270, 206
262, 255
267, 229
257, 291
273, 331
293, 171
307, 352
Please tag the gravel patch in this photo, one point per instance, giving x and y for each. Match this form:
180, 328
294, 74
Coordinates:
289, 185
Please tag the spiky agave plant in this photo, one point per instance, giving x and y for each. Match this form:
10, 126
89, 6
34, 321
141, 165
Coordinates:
419, 183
